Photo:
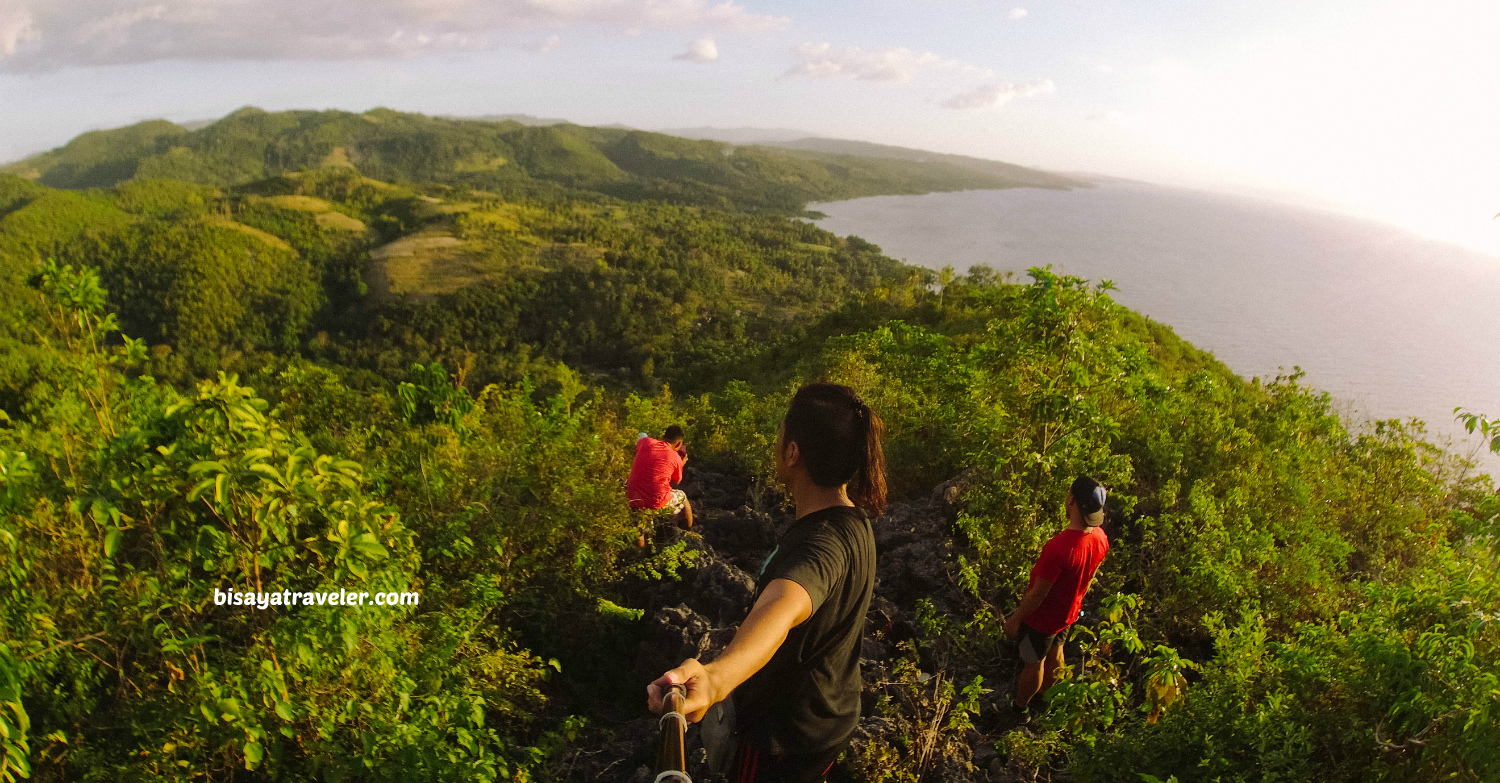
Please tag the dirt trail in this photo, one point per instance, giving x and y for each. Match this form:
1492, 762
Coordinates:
697, 616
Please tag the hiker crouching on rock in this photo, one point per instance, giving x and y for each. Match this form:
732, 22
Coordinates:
793, 665
1061, 576
658, 465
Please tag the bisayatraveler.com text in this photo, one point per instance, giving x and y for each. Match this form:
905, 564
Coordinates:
266, 600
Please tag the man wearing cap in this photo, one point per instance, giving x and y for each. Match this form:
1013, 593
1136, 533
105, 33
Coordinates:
1059, 579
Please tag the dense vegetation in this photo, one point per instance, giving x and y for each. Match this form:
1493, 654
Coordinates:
300, 378
505, 157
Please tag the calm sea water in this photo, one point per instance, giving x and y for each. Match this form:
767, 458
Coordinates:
1393, 325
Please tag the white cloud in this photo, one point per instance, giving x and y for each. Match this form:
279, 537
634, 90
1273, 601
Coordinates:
988, 96
41, 35
548, 44
15, 29
702, 50
1017, 13
877, 65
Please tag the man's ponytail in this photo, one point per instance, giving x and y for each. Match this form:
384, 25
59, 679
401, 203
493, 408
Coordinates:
867, 487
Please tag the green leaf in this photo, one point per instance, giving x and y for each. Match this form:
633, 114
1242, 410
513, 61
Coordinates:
111, 542
206, 465
254, 753
369, 546
265, 471
230, 708
200, 488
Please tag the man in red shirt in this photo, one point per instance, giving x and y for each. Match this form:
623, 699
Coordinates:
658, 465
1062, 574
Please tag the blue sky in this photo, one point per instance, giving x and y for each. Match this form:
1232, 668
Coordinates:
1385, 108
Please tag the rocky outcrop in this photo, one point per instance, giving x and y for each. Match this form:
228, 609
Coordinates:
743, 537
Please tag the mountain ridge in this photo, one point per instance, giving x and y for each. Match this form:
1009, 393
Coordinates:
515, 154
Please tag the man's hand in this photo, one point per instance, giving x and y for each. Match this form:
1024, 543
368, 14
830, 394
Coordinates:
700, 693
782, 606
1033, 599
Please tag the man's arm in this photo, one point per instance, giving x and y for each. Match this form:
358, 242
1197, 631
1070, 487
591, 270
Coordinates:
1034, 598
783, 606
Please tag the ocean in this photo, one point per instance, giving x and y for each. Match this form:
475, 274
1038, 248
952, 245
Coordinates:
1391, 324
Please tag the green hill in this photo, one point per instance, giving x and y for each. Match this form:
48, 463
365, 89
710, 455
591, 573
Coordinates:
218, 278
934, 160
506, 156
823, 148
101, 157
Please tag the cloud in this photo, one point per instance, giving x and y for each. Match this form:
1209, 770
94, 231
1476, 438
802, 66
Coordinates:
15, 29
878, 65
548, 44
41, 35
1017, 13
988, 96
702, 50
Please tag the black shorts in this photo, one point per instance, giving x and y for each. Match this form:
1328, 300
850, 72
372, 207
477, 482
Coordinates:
753, 765
1035, 645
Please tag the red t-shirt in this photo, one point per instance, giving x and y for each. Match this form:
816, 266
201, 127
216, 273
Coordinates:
1068, 561
656, 468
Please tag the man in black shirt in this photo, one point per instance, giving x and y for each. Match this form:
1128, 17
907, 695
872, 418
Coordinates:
793, 666
805, 701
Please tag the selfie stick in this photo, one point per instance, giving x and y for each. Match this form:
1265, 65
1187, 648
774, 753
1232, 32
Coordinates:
671, 757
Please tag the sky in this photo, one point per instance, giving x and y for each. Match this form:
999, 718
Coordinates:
1388, 109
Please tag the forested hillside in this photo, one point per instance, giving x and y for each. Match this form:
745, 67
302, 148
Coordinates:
505, 157
310, 352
